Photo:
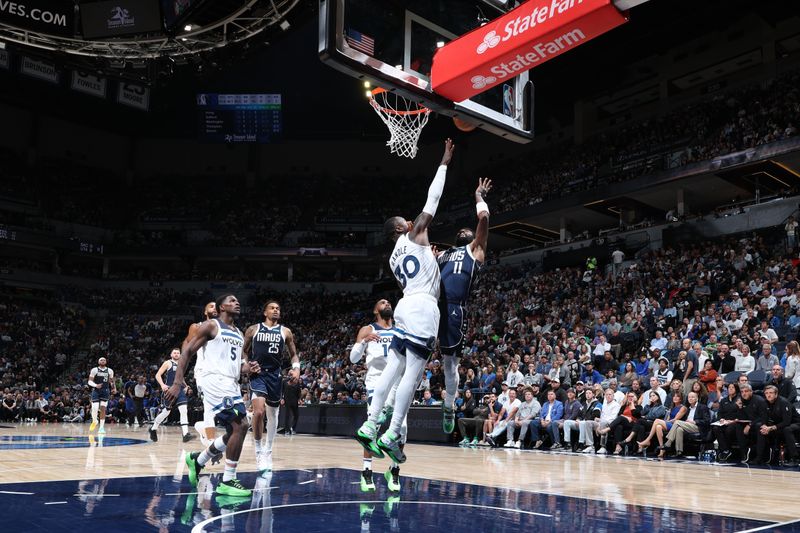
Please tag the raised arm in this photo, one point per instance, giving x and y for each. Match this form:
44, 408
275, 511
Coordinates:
295, 371
419, 233
479, 243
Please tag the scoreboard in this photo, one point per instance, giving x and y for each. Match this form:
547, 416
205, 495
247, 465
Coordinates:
239, 118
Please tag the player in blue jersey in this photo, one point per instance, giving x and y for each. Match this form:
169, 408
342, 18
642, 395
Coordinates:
101, 379
264, 344
165, 378
416, 318
224, 344
459, 267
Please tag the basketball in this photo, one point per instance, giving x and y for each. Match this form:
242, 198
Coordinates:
463, 125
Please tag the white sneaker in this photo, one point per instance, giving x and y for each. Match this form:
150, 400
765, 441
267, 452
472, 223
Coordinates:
509, 444
602, 451
588, 449
264, 461
517, 445
200, 427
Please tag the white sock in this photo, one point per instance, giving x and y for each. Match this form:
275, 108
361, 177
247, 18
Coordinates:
367, 464
272, 425
230, 470
206, 455
95, 410
450, 380
405, 390
184, 413
160, 418
259, 445
394, 367
102, 423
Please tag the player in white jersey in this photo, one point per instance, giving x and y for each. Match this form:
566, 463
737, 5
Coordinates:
416, 318
206, 427
224, 344
375, 340
101, 379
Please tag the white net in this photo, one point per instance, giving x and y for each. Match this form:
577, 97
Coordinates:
404, 118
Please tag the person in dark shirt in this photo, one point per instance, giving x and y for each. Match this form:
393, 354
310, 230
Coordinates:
779, 418
786, 388
731, 411
755, 412
291, 400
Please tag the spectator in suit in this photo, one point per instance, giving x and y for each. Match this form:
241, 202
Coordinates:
552, 411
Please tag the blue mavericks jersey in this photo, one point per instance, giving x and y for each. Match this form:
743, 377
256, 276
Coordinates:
459, 269
268, 346
170, 377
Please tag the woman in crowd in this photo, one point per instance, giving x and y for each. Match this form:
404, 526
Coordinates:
627, 377
661, 427
655, 410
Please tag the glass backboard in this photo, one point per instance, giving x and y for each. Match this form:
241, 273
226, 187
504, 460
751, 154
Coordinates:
391, 43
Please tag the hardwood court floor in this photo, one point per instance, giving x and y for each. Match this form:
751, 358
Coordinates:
753, 493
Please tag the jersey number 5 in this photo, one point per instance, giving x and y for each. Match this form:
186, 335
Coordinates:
233, 353
405, 273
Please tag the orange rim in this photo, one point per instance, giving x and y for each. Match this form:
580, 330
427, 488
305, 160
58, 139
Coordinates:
374, 92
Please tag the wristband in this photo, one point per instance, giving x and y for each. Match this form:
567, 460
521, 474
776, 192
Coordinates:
480, 207
296, 365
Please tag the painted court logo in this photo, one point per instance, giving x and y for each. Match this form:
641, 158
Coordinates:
490, 40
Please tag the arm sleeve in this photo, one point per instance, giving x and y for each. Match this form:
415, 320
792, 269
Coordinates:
92, 374
435, 191
92, 383
357, 351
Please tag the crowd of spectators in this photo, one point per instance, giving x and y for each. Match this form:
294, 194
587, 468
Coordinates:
186, 214
723, 123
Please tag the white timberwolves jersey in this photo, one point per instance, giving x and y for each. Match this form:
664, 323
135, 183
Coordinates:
200, 363
378, 351
415, 268
223, 353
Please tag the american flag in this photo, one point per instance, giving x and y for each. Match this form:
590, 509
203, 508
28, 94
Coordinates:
361, 42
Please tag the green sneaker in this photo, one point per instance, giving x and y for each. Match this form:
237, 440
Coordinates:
464, 442
233, 488
389, 443
367, 483
393, 479
390, 506
231, 502
366, 436
474, 442
365, 511
188, 511
194, 467
386, 415
448, 420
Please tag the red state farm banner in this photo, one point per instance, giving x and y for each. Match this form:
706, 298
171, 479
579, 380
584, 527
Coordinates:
521, 39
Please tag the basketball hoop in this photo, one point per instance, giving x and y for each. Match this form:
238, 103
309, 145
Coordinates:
404, 118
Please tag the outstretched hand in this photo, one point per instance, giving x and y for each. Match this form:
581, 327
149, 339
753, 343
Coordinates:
484, 186
448, 151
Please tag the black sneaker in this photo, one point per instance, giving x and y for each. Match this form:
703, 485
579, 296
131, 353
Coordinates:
746, 457
188, 437
724, 456
490, 441
154, 435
